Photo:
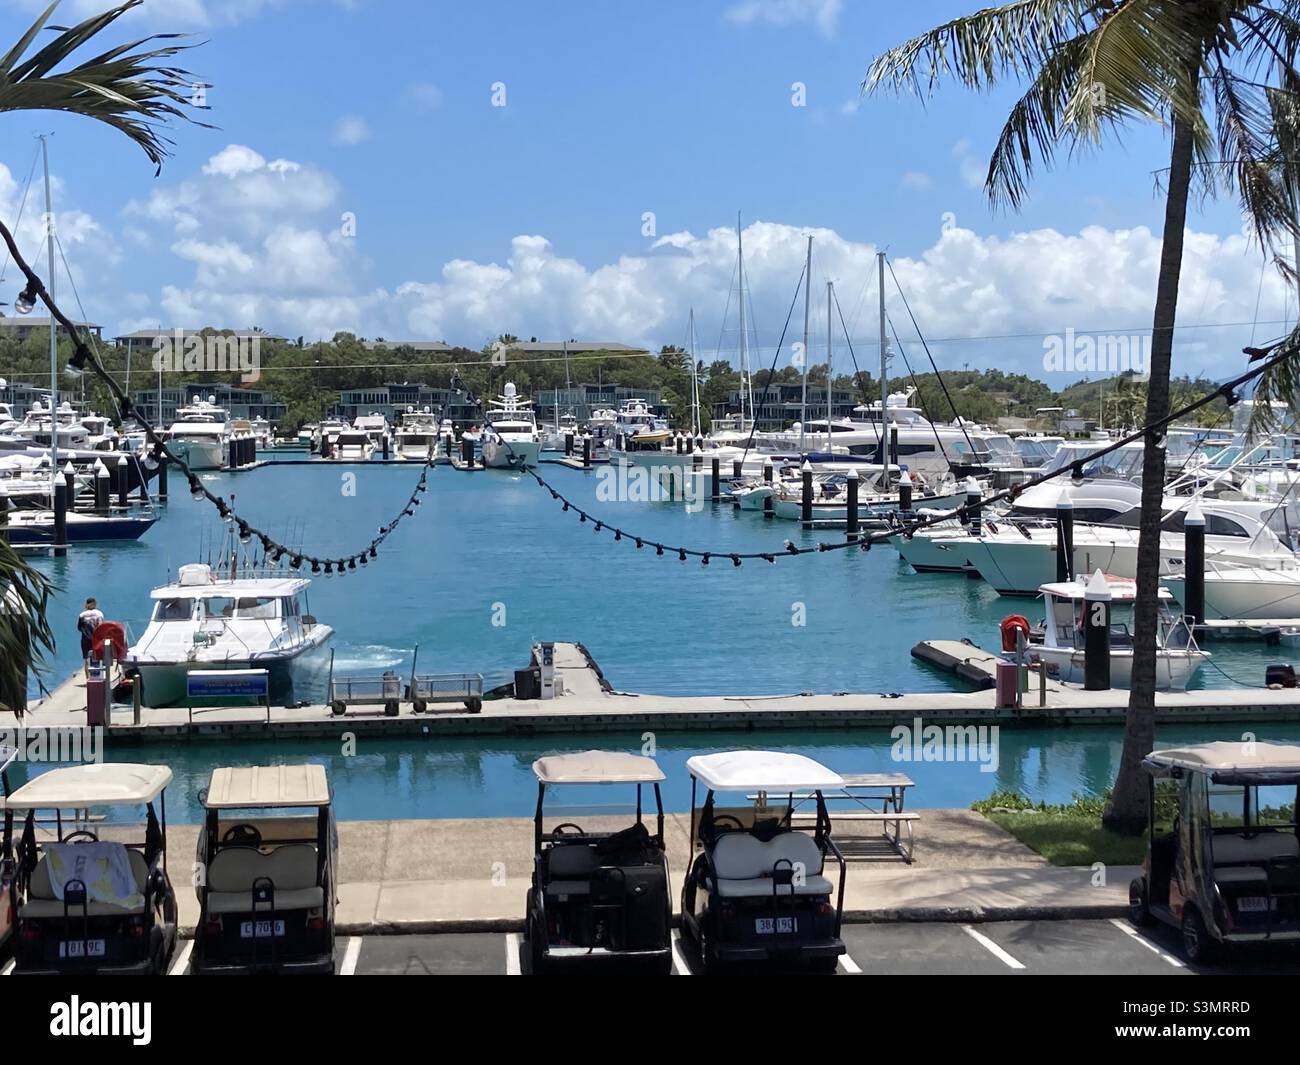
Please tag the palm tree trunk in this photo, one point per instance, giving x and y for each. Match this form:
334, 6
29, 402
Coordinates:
1127, 810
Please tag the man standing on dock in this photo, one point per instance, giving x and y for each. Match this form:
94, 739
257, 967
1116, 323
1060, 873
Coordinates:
87, 622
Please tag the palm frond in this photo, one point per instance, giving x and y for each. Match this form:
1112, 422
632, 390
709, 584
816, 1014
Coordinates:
25, 635
1280, 383
130, 87
1011, 40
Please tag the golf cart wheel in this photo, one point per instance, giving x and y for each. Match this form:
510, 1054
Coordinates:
823, 966
1197, 942
1139, 908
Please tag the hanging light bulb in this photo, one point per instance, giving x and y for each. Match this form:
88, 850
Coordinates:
25, 300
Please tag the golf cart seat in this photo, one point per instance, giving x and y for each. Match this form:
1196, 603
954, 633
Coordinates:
746, 866
291, 869
41, 901
570, 868
1230, 849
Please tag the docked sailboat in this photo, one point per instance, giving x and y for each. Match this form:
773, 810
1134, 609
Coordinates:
202, 622
510, 439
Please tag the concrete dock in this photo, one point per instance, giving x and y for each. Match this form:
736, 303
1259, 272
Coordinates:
590, 704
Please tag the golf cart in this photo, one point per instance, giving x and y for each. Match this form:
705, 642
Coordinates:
599, 894
756, 891
269, 852
8, 867
87, 904
1227, 871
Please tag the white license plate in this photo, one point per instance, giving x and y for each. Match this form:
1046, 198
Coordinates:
766, 926
260, 929
1252, 904
81, 948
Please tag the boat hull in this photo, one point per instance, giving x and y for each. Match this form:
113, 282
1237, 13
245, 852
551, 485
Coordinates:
294, 677
1252, 595
1174, 669
518, 455
199, 454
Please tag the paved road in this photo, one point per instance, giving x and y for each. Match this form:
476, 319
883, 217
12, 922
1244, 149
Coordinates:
1001, 948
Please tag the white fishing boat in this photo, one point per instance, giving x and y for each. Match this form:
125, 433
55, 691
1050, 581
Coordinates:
830, 499
204, 622
1062, 650
327, 433
200, 435
565, 425
640, 435
375, 426
510, 439
353, 445
416, 438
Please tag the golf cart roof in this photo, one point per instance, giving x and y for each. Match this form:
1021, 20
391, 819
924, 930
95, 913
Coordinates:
761, 771
248, 786
597, 767
1233, 762
103, 784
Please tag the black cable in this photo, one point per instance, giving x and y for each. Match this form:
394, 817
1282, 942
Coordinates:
771, 370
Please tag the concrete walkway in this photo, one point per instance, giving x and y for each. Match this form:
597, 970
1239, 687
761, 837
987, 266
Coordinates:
474, 874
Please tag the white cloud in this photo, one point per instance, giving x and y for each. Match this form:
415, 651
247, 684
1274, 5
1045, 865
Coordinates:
824, 14
916, 180
350, 130
973, 170
423, 96
259, 243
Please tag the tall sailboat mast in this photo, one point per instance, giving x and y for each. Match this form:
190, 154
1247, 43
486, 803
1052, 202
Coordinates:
807, 303
884, 349
830, 298
695, 381
747, 384
54, 335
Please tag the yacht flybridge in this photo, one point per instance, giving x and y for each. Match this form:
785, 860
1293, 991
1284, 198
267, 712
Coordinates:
204, 622
510, 440
416, 438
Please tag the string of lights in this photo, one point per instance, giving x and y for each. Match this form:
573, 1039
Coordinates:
1153, 432
84, 358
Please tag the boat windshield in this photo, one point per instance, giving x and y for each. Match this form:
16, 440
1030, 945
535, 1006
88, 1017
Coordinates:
180, 609
256, 608
218, 607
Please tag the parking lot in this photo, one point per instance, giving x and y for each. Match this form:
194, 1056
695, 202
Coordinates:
1001, 948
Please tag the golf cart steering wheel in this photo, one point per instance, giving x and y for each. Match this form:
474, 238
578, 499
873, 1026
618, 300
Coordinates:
727, 817
558, 830
245, 834
81, 832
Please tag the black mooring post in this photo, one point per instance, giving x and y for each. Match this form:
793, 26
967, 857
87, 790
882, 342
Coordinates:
568, 443
905, 491
162, 479
768, 511
715, 487
805, 500
123, 482
586, 452
60, 516
973, 505
893, 445
851, 526
1096, 635
1064, 538
1194, 565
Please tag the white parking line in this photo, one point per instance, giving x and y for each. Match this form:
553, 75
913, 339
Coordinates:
848, 965
1132, 933
992, 947
513, 945
351, 955
8, 967
181, 964
680, 968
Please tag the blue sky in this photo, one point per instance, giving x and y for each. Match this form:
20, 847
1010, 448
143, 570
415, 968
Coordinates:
472, 219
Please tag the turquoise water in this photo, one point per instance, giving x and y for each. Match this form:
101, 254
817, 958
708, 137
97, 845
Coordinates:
489, 564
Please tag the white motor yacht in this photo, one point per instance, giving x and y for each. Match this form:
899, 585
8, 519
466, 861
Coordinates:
200, 435
1268, 590
202, 621
353, 445
510, 439
416, 438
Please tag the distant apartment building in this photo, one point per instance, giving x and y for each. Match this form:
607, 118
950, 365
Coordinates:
393, 400
558, 349
581, 400
147, 339
781, 404
20, 327
159, 407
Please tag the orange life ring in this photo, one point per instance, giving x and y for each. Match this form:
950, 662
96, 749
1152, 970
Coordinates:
1011, 624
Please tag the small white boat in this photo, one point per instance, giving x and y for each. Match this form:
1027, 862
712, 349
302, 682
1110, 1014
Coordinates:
510, 439
204, 622
353, 445
555, 436
1062, 650
417, 436
200, 435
